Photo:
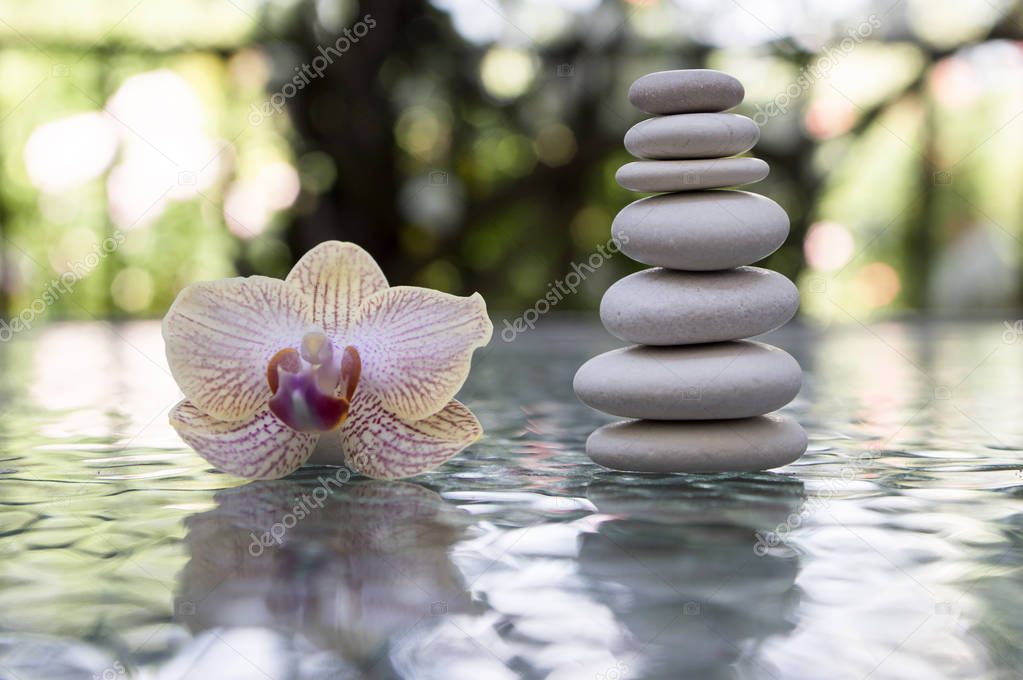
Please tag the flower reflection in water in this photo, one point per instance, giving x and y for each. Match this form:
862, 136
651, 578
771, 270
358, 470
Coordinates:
297, 581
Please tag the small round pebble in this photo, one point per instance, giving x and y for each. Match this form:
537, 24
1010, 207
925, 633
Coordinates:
701, 230
697, 382
692, 175
746, 445
667, 307
685, 91
692, 135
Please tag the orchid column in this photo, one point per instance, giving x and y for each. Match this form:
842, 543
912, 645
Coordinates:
696, 391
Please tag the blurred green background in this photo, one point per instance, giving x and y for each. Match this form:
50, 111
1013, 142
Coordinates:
471, 144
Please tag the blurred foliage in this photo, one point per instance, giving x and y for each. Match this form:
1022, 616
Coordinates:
472, 144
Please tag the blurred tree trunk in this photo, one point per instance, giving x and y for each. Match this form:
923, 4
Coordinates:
921, 228
347, 114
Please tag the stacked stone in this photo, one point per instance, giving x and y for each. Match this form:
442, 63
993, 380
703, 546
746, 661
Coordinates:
697, 391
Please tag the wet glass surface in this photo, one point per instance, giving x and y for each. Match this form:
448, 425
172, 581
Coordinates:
892, 550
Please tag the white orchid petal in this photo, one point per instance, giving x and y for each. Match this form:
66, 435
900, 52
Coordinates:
258, 447
220, 335
416, 346
381, 445
335, 277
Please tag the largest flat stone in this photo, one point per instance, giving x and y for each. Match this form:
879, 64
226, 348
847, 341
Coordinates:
667, 307
742, 445
692, 135
701, 230
685, 91
700, 382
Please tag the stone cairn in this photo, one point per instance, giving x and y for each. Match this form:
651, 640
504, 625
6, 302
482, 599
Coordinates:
697, 391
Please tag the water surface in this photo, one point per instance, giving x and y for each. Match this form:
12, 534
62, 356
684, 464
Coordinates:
892, 550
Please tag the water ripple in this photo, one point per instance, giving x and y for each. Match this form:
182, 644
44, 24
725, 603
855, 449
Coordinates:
892, 550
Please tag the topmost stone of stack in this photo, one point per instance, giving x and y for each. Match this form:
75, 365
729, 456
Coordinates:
686, 91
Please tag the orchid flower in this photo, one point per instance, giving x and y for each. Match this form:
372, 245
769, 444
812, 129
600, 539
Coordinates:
331, 355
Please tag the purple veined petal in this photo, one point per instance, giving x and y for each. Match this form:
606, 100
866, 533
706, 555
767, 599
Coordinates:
416, 346
378, 444
334, 278
220, 335
258, 447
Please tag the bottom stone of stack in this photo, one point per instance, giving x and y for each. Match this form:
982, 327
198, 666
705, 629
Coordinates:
742, 445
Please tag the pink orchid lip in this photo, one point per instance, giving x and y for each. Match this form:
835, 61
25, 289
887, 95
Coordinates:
305, 384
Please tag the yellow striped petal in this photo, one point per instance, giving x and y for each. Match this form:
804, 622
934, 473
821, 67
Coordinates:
258, 447
378, 444
220, 336
335, 277
416, 346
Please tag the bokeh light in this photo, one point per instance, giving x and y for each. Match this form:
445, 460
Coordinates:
66, 153
476, 147
876, 285
506, 73
828, 246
